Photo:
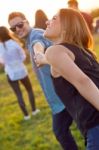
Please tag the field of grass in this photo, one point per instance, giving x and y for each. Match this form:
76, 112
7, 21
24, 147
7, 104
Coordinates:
36, 133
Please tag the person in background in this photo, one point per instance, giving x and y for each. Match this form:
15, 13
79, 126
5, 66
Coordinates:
36, 42
40, 19
89, 20
75, 71
12, 57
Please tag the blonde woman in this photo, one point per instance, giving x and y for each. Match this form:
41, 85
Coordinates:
75, 71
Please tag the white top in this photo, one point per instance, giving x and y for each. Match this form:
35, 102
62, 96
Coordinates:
12, 56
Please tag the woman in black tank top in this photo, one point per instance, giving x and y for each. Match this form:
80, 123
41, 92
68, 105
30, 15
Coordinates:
75, 71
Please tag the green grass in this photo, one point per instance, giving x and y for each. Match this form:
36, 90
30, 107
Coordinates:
36, 133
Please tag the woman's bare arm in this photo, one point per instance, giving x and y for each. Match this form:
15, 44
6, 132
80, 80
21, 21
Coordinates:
57, 56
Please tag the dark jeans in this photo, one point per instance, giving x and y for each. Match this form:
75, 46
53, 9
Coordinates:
16, 88
93, 138
61, 125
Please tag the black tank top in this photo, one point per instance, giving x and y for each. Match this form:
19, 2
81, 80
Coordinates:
85, 115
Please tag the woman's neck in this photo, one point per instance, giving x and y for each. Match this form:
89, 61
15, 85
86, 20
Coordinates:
57, 41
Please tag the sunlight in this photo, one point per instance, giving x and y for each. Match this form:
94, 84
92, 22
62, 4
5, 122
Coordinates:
29, 7
88, 4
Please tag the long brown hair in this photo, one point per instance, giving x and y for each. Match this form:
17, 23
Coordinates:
40, 19
75, 30
4, 34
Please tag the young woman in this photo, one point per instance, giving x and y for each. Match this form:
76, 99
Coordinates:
75, 71
12, 57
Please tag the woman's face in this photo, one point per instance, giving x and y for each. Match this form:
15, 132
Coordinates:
19, 26
53, 30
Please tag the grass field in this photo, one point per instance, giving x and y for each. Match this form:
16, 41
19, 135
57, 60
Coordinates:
36, 133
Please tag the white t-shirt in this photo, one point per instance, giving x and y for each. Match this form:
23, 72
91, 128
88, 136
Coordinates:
12, 56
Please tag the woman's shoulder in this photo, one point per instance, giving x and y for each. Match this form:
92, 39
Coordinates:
9, 42
58, 48
58, 51
55, 51
12, 42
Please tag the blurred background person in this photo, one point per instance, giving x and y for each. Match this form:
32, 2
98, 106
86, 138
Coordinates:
12, 57
89, 20
40, 19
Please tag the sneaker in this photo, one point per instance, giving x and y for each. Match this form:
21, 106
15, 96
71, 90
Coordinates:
26, 117
35, 112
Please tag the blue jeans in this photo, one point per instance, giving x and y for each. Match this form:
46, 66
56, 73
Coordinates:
93, 138
61, 125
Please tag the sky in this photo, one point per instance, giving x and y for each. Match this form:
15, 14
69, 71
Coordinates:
28, 7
